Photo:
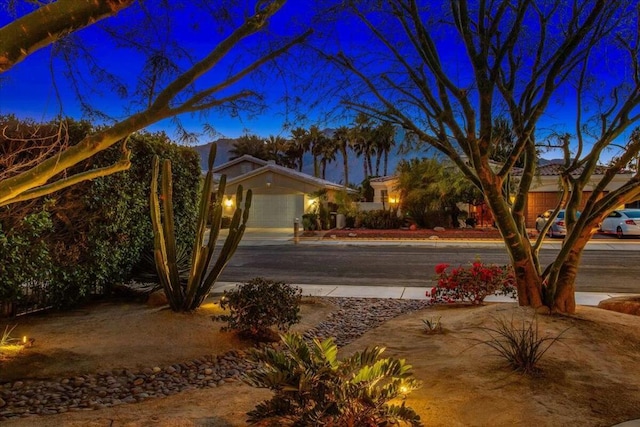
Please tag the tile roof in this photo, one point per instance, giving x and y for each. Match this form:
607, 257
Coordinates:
555, 169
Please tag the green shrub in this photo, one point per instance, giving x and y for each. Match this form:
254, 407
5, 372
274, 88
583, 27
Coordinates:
25, 256
257, 305
313, 388
107, 226
309, 221
101, 228
380, 219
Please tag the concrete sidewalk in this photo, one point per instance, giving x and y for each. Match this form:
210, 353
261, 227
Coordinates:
284, 236
403, 292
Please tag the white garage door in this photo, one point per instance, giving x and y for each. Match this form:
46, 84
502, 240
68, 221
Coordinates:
275, 210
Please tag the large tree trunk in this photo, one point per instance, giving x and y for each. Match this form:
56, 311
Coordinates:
564, 298
386, 163
528, 279
345, 163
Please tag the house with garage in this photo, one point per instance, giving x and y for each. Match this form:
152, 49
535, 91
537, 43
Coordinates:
544, 193
545, 189
280, 194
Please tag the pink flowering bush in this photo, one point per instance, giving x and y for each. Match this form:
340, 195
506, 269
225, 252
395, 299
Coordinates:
472, 284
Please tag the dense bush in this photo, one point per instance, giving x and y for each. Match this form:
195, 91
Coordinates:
257, 305
101, 228
24, 254
309, 221
314, 388
472, 284
379, 219
108, 227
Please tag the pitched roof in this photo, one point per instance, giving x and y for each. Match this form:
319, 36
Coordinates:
384, 178
272, 167
555, 169
243, 158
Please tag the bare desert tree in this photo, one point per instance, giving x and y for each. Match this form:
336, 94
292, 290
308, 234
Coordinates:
50, 22
445, 71
173, 81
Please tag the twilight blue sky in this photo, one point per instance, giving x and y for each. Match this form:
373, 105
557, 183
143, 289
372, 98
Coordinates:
37, 87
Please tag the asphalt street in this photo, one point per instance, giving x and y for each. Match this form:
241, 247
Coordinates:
600, 271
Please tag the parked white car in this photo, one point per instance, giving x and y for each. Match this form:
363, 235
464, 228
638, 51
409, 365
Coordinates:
623, 222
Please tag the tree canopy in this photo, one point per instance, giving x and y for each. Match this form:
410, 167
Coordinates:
445, 71
173, 80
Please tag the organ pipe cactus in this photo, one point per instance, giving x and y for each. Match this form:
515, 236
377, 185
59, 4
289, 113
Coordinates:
188, 294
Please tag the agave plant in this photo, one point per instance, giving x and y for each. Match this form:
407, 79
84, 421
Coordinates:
189, 294
313, 387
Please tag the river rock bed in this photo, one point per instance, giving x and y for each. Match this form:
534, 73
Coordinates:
28, 398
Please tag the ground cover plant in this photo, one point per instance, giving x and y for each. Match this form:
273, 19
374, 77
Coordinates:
313, 387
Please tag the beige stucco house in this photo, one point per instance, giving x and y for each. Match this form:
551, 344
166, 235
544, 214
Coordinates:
280, 194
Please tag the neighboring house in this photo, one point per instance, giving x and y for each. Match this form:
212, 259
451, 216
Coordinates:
385, 194
280, 194
544, 193
545, 189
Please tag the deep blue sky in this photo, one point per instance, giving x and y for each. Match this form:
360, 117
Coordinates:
28, 89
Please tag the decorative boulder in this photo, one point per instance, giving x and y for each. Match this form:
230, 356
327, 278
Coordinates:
438, 228
157, 299
627, 305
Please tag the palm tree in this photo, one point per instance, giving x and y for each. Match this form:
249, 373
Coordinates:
361, 142
325, 148
276, 148
384, 140
341, 139
299, 145
313, 137
252, 145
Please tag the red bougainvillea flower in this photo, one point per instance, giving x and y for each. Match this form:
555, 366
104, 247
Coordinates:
440, 268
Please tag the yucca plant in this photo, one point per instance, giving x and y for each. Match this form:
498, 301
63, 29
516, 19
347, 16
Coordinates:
313, 387
520, 344
189, 294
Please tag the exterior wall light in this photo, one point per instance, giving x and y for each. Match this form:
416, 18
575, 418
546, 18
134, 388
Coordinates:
228, 202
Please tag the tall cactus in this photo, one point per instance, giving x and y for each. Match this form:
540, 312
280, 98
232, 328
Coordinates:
189, 294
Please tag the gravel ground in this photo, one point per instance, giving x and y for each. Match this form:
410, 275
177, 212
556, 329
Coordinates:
354, 317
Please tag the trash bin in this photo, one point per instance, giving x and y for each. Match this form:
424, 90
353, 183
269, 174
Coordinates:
341, 221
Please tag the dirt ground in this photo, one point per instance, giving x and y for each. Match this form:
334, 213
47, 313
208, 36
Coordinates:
589, 378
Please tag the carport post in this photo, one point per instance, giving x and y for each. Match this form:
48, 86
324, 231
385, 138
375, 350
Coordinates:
296, 226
